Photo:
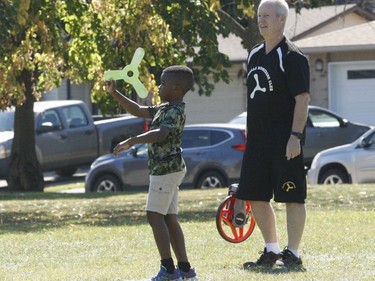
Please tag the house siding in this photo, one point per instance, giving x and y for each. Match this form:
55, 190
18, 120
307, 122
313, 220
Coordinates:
226, 101
339, 23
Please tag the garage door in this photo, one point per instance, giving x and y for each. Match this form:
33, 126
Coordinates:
352, 90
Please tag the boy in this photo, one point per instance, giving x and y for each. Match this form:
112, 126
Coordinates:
166, 165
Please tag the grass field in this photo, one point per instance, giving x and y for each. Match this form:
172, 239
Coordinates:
53, 236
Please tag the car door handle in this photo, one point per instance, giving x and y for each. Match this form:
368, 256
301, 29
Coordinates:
63, 137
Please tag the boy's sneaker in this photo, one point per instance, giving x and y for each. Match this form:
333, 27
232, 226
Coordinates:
289, 259
266, 259
163, 275
190, 275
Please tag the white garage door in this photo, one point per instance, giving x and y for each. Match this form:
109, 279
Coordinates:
352, 90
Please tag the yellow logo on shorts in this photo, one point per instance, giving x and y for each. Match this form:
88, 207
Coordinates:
289, 186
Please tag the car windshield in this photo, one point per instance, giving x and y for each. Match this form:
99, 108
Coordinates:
6, 121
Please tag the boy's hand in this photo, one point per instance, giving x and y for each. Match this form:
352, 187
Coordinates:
122, 146
111, 86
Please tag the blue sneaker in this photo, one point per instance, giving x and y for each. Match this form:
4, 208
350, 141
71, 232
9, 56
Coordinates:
190, 275
163, 275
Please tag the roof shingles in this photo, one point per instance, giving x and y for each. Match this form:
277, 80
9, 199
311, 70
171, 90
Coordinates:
359, 37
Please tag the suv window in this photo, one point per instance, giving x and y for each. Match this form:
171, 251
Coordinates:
75, 116
218, 137
323, 120
200, 138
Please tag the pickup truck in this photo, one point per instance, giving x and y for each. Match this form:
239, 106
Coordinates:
67, 136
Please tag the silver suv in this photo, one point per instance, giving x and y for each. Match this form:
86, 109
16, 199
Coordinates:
212, 152
351, 163
324, 129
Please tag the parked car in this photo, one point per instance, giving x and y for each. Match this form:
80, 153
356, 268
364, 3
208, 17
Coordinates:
351, 163
66, 135
324, 129
212, 152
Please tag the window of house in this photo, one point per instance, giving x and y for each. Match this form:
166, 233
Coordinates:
361, 74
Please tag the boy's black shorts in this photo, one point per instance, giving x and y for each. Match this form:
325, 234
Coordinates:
266, 173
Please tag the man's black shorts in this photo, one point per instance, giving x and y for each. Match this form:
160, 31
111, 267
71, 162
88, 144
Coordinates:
266, 173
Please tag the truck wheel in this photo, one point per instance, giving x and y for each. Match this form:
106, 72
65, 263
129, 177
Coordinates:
210, 179
334, 176
66, 172
107, 183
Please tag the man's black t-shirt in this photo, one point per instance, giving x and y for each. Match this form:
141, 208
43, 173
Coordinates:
273, 80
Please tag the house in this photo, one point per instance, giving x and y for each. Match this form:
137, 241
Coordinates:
342, 65
340, 44
341, 51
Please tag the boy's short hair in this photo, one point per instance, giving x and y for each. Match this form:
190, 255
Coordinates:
183, 76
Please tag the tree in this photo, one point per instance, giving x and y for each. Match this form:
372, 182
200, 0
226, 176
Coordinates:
27, 51
43, 41
46, 40
197, 23
239, 16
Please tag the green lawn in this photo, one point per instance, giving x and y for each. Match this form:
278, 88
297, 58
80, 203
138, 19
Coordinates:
52, 236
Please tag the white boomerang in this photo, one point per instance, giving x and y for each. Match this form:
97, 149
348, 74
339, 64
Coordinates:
130, 74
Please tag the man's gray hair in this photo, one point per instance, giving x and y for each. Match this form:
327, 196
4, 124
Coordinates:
282, 8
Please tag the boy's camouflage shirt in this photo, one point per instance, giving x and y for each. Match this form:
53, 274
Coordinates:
166, 157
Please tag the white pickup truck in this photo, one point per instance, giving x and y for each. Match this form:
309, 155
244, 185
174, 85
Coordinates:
67, 136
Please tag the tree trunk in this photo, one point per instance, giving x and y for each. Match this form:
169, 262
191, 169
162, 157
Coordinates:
25, 171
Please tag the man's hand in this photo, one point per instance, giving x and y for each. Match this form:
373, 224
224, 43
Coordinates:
293, 148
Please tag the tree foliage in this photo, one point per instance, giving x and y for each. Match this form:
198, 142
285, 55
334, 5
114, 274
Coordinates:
44, 41
79, 39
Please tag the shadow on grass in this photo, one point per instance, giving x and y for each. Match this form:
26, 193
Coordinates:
34, 212
41, 221
276, 269
4, 195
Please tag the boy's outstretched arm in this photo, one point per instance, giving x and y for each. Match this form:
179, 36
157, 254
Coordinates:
130, 106
156, 135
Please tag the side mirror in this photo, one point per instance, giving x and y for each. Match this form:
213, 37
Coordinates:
366, 143
134, 151
45, 127
344, 123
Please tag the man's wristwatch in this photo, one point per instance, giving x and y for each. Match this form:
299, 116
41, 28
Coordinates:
298, 135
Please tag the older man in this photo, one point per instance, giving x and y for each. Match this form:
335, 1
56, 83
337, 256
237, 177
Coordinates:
277, 108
